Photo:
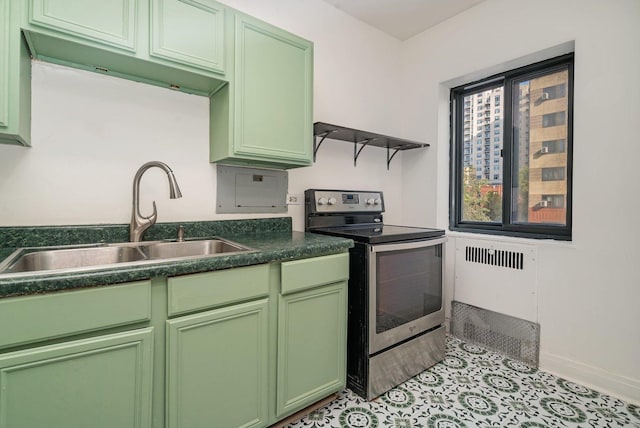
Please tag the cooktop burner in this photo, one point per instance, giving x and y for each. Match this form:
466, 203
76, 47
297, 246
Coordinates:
357, 215
380, 233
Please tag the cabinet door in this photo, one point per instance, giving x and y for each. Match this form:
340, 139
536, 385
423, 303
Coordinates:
189, 32
112, 23
217, 365
102, 382
311, 346
274, 86
4, 63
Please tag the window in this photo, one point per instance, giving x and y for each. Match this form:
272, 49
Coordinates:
528, 193
553, 174
553, 92
552, 201
553, 146
553, 119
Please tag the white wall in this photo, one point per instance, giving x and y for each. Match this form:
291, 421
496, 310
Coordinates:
588, 290
92, 132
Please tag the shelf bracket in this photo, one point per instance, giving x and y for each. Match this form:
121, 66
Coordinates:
356, 152
395, 152
315, 140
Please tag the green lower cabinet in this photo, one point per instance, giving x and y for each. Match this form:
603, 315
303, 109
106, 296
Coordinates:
311, 346
101, 382
217, 368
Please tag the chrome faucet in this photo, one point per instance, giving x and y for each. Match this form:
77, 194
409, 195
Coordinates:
140, 223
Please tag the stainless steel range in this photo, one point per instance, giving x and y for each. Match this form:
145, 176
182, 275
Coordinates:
395, 289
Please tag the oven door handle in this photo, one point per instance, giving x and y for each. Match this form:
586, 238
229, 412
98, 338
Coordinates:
407, 245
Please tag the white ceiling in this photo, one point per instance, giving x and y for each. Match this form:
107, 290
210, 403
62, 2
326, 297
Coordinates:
403, 19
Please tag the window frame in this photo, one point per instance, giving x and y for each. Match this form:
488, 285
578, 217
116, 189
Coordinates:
507, 227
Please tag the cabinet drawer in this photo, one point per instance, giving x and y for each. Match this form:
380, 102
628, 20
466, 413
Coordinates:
207, 290
33, 318
307, 273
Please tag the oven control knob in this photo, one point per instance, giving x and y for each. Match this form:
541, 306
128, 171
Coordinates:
322, 201
332, 201
378, 201
370, 201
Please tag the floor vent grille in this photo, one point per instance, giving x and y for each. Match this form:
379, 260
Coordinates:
493, 257
514, 337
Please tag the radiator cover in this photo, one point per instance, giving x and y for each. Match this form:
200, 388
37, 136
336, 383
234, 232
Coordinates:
511, 336
498, 276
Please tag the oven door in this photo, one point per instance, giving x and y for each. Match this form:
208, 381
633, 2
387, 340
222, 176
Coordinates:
405, 291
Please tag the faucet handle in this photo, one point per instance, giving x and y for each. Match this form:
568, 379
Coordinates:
154, 215
180, 234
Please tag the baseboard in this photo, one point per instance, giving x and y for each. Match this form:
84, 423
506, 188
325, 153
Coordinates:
622, 387
304, 412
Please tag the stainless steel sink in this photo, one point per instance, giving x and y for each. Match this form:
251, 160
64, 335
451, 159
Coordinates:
169, 250
71, 259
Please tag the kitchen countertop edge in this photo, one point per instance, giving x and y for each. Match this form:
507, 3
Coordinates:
269, 248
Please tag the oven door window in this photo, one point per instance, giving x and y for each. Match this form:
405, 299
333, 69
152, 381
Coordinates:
408, 285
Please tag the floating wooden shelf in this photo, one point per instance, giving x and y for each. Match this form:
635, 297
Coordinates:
326, 130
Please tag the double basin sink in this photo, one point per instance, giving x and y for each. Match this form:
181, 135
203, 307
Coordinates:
79, 258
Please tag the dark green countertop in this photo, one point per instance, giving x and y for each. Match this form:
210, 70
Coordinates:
272, 239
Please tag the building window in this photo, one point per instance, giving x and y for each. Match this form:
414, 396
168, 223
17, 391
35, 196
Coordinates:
553, 119
555, 173
553, 92
552, 201
514, 199
553, 146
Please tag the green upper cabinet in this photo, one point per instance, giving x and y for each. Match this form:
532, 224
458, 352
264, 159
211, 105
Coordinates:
189, 32
169, 43
5, 32
264, 116
15, 79
112, 23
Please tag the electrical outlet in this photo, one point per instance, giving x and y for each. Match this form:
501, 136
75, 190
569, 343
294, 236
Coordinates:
293, 199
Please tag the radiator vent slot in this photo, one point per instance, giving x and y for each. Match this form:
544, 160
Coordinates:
493, 257
510, 336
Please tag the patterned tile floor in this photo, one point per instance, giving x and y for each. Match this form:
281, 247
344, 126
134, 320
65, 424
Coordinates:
474, 387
